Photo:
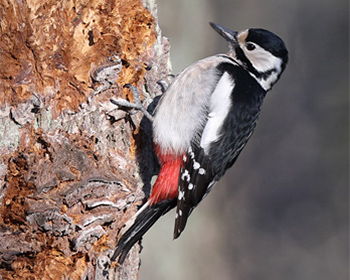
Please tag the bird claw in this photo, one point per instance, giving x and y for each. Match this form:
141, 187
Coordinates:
137, 105
164, 84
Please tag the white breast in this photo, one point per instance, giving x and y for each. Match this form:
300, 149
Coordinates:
182, 111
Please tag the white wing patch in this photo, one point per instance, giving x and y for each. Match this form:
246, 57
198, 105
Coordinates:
220, 103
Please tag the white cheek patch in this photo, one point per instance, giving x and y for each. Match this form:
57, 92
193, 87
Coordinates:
263, 60
220, 104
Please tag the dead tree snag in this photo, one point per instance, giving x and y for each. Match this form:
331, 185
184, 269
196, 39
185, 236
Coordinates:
70, 172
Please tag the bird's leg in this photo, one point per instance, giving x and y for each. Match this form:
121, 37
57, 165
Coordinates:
136, 105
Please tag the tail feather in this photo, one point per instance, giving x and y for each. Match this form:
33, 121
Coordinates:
139, 225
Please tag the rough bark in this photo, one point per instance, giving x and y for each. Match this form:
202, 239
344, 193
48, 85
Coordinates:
73, 167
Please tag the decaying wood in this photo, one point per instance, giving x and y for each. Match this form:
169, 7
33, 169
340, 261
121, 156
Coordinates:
73, 167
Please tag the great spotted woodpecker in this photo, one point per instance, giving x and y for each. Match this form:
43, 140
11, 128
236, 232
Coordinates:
201, 124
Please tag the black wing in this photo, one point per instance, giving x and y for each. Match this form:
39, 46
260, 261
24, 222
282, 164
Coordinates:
233, 111
195, 181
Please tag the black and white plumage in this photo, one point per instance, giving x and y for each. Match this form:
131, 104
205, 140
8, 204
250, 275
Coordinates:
204, 120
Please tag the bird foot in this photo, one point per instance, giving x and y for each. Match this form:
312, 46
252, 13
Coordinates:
137, 105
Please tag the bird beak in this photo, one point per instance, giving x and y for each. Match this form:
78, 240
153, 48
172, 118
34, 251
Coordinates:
228, 34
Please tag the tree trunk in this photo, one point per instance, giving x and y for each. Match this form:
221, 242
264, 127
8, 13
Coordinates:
73, 166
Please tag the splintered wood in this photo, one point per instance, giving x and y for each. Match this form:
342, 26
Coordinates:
53, 47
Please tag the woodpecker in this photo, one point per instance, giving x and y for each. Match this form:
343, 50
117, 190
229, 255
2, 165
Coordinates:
201, 124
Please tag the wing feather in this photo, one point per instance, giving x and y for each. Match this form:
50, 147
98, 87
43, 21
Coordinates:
194, 179
196, 175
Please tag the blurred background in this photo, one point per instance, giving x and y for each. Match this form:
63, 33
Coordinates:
282, 211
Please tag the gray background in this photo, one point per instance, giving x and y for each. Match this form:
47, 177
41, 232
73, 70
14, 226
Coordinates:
282, 211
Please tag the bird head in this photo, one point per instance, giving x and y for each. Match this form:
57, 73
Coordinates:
260, 52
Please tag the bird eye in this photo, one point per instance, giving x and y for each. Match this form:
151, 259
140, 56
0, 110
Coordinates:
250, 46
